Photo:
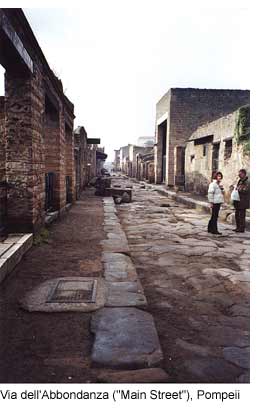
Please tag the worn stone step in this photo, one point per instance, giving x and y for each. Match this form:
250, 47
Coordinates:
152, 375
125, 338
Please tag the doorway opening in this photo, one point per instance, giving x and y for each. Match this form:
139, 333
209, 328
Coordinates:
215, 157
162, 135
180, 167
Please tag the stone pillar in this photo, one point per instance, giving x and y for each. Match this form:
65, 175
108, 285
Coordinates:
24, 151
70, 165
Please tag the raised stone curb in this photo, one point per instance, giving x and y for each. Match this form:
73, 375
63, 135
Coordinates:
118, 267
115, 245
12, 250
125, 337
125, 294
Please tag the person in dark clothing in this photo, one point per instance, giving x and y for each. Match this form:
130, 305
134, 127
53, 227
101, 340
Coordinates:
243, 188
216, 198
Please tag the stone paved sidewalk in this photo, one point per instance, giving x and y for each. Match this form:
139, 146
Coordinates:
196, 284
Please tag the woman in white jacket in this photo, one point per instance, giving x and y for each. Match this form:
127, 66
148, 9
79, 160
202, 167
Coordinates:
216, 198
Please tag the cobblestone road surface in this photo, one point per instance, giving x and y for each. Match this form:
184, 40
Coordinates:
196, 284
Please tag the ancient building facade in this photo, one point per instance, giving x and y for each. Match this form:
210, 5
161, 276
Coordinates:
146, 167
220, 145
124, 158
88, 159
134, 150
178, 114
36, 129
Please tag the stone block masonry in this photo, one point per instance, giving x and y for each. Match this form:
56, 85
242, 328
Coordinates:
200, 159
178, 114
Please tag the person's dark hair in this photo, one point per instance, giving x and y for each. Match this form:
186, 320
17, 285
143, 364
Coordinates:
214, 174
243, 171
219, 173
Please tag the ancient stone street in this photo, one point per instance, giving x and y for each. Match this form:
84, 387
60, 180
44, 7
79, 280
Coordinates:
196, 285
172, 301
124, 198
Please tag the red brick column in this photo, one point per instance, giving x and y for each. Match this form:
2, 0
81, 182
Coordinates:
69, 162
62, 168
2, 139
3, 190
24, 151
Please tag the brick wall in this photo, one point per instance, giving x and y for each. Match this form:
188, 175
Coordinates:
3, 190
33, 145
24, 173
69, 162
52, 151
2, 139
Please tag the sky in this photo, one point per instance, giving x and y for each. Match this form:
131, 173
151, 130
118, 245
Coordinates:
116, 59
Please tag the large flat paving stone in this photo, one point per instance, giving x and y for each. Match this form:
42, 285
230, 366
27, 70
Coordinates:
238, 356
125, 338
210, 370
153, 375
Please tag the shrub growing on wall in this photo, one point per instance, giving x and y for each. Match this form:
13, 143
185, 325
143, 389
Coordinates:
242, 130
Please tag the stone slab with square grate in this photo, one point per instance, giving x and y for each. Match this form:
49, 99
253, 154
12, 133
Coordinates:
68, 291
67, 294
